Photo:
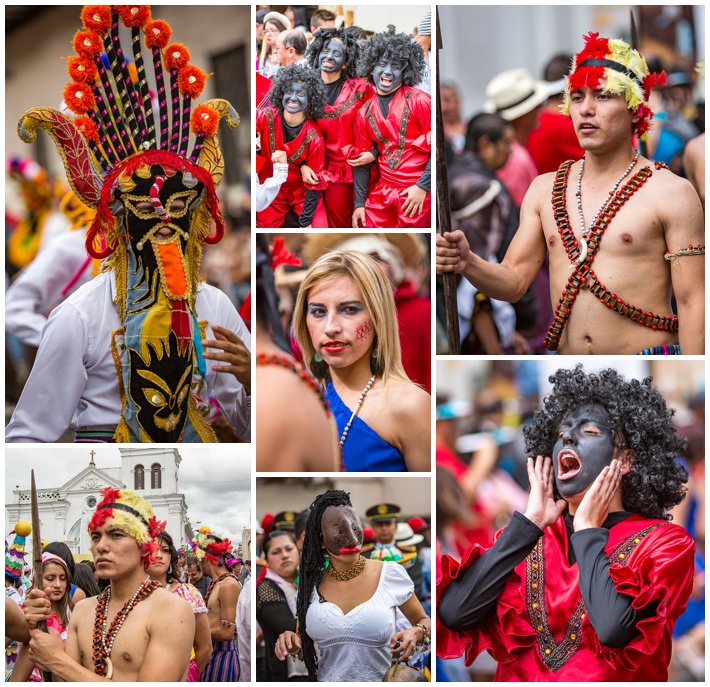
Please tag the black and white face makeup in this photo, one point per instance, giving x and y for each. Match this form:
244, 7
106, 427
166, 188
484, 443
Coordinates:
387, 74
295, 98
342, 531
332, 56
584, 447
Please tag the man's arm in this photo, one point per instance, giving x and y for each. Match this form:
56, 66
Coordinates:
509, 280
171, 633
223, 628
472, 596
57, 380
683, 222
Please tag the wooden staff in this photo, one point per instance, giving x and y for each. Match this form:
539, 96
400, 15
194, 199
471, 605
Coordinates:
37, 557
443, 211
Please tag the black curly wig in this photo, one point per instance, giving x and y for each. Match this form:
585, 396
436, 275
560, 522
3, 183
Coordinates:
640, 415
311, 569
297, 72
351, 50
398, 46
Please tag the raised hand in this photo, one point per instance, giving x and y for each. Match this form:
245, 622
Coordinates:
594, 508
452, 251
542, 509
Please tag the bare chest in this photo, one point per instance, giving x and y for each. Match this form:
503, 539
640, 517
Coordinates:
129, 646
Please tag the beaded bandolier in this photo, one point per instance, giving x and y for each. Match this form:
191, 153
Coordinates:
581, 253
155, 207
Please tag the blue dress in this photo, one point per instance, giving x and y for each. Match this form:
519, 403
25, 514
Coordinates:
364, 450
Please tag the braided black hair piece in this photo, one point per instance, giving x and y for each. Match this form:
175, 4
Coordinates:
311, 570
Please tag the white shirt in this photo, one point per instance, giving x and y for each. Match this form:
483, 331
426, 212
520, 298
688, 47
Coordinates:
355, 647
38, 287
244, 631
74, 382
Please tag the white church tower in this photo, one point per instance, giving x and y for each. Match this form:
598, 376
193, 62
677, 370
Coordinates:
65, 511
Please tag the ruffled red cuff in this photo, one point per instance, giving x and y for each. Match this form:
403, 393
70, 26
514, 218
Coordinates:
506, 633
645, 586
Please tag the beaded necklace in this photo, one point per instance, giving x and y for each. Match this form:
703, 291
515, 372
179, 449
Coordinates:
363, 393
104, 638
614, 189
214, 583
285, 361
581, 255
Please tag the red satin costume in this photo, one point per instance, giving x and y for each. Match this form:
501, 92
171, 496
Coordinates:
404, 142
335, 208
306, 147
540, 619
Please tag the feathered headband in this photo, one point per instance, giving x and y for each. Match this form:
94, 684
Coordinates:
115, 124
213, 548
132, 514
614, 66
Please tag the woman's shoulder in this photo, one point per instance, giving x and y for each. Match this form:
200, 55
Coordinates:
397, 582
267, 591
406, 398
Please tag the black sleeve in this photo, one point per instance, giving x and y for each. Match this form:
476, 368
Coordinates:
309, 207
470, 598
361, 176
425, 179
610, 612
272, 610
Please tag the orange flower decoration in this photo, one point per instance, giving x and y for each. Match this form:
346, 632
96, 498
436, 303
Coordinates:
134, 15
96, 18
204, 120
176, 56
87, 44
191, 81
82, 69
87, 127
157, 34
79, 98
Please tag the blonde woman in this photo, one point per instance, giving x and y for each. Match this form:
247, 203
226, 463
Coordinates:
346, 325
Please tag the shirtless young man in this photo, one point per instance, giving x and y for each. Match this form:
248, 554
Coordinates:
658, 216
221, 599
155, 628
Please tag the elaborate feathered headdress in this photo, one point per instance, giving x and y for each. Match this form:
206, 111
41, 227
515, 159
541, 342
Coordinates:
614, 66
116, 130
132, 514
216, 550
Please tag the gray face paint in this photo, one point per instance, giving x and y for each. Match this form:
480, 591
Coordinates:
387, 75
332, 56
295, 98
584, 447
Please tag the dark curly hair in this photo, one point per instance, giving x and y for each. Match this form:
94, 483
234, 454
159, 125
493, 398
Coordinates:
311, 570
398, 46
351, 50
314, 86
640, 415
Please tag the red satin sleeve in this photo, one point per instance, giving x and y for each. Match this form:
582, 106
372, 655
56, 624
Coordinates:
663, 575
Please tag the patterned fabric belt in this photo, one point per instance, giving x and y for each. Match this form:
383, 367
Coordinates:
661, 350
94, 436
224, 646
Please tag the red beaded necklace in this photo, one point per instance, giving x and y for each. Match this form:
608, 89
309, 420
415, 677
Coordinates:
583, 276
103, 639
283, 360
212, 584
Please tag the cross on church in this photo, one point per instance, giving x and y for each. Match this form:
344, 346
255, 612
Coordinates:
92, 454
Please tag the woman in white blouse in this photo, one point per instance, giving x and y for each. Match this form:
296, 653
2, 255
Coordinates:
347, 603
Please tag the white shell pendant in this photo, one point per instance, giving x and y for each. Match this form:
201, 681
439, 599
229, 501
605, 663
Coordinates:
582, 252
109, 668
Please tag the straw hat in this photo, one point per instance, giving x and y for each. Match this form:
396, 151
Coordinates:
514, 93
